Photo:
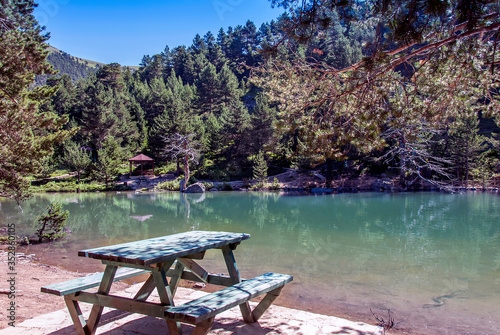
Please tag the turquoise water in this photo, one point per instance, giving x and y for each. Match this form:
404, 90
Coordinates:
433, 259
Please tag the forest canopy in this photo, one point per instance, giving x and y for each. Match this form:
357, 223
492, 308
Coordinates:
427, 65
343, 84
27, 135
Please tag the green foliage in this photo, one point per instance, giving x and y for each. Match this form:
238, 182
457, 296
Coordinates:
226, 187
109, 157
275, 185
75, 159
259, 167
68, 186
237, 101
172, 185
27, 135
468, 148
51, 225
73, 68
166, 168
404, 80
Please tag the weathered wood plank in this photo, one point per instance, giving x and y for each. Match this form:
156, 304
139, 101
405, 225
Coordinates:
265, 303
176, 277
174, 327
210, 305
198, 255
195, 268
104, 287
76, 315
227, 251
146, 289
124, 304
160, 249
203, 327
159, 275
84, 283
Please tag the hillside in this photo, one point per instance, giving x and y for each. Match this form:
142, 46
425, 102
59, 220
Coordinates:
63, 62
76, 68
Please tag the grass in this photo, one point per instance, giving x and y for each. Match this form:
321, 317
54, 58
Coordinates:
172, 185
68, 186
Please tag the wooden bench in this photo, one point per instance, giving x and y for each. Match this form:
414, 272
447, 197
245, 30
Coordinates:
201, 312
80, 284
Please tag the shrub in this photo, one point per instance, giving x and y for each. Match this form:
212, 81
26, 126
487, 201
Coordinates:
208, 185
68, 186
169, 167
172, 185
275, 186
52, 224
226, 187
259, 186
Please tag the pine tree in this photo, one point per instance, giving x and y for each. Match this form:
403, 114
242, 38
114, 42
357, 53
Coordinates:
98, 119
236, 126
207, 89
109, 157
75, 159
26, 135
259, 167
467, 147
228, 86
199, 46
262, 123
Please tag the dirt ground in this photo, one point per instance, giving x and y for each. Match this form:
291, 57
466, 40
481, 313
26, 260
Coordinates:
29, 277
30, 303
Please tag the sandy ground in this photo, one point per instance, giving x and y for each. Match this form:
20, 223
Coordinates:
39, 313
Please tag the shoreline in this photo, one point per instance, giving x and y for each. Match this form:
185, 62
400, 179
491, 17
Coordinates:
32, 275
294, 181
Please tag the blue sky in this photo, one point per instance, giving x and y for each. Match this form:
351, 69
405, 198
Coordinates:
124, 31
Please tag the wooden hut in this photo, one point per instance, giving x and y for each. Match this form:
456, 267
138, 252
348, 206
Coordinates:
141, 159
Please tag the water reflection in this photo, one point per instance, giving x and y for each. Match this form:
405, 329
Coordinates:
347, 252
141, 218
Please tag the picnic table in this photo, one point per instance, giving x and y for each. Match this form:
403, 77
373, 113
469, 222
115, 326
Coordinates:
175, 257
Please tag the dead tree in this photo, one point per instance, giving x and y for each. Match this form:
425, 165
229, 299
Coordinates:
415, 159
182, 147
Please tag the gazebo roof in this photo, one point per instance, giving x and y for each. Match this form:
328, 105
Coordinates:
141, 158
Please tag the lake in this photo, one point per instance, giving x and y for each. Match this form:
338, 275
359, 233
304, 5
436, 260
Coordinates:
433, 259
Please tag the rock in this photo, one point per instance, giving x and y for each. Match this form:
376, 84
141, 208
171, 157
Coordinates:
382, 185
195, 188
199, 285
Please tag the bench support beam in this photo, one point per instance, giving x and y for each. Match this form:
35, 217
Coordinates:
265, 303
76, 315
104, 287
201, 328
235, 277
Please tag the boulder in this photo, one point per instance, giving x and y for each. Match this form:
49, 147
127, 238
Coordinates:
195, 188
382, 185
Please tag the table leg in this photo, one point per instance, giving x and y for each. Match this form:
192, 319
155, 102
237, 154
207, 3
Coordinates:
203, 327
146, 289
176, 277
235, 277
104, 287
76, 315
166, 297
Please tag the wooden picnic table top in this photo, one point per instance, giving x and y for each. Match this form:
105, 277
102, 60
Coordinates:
160, 249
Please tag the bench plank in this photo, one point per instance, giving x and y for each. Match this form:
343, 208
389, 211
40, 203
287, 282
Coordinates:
79, 284
212, 304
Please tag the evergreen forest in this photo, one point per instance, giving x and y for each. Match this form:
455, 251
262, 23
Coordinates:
208, 90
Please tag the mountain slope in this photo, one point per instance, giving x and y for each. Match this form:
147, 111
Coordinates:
63, 62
